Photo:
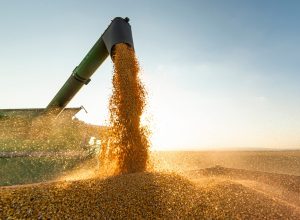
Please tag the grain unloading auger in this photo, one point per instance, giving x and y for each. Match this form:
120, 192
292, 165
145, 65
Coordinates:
19, 122
119, 31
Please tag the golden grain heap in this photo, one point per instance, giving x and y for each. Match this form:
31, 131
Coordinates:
126, 144
143, 195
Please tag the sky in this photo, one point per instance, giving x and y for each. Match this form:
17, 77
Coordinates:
219, 74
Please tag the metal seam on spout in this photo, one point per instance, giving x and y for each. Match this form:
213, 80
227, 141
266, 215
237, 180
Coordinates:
80, 79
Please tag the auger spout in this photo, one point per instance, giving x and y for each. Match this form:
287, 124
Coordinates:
119, 31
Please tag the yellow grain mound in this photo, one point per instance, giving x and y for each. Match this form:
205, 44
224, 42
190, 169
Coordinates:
140, 196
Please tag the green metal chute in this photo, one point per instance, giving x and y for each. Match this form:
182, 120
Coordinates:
119, 31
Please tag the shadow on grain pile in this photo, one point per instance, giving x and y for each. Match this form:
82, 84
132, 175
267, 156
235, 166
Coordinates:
141, 195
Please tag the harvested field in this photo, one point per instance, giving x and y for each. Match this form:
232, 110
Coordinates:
283, 162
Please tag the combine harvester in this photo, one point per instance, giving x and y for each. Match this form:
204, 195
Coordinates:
119, 31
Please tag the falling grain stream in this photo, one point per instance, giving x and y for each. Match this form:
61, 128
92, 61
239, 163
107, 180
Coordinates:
126, 143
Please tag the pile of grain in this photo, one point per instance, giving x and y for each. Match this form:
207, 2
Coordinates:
126, 143
140, 196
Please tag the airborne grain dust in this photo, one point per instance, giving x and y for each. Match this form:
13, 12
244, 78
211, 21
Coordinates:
127, 144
